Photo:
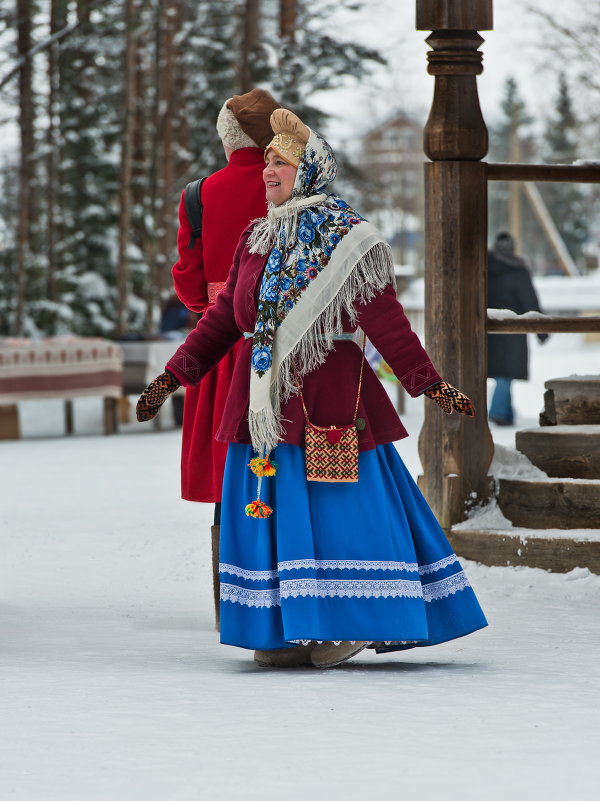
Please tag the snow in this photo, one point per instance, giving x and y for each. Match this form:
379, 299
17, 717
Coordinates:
113, 684
510, 463
577, 377
505, 314
491, 519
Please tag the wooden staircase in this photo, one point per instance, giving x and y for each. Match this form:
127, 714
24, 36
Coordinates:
554, 519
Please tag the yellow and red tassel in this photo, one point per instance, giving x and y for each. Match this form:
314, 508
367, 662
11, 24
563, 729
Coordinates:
262, 467
258, 509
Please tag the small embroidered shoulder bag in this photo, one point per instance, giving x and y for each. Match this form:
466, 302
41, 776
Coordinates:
332, 451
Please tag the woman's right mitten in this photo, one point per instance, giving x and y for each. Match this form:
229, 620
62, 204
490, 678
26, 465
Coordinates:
155, 394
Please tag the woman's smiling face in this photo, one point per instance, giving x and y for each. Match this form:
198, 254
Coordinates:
279, 177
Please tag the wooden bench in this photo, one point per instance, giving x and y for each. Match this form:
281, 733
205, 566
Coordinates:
58, 367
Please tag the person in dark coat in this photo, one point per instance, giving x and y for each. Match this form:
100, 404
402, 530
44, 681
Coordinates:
509, 287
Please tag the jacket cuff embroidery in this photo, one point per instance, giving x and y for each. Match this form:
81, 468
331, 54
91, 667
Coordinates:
419, 378
185, 365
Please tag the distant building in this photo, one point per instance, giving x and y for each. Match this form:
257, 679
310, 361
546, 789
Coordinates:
392, 161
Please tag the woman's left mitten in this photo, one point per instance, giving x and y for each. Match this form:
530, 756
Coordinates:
450, 399
155, 394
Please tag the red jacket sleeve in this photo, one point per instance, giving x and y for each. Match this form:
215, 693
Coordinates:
188, 271
383, 320
215, 334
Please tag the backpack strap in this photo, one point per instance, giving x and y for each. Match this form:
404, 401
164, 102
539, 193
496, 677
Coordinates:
192, 199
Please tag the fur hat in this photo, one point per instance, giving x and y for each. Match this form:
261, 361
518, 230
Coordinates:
291, 136
244, 119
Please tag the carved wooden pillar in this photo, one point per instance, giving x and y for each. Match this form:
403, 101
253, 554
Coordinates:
455, 451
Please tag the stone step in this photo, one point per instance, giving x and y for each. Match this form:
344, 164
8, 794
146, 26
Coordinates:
572, 400
563, 451
566, 504
559, 551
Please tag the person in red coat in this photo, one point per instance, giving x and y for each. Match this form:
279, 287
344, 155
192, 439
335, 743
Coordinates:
231, 198
327, 544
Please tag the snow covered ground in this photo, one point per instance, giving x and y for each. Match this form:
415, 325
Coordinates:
113, 684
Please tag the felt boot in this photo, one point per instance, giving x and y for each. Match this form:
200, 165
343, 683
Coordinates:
328, 654
215, 535
285, 657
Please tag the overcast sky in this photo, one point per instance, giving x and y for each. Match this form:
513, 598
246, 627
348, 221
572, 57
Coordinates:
514, 47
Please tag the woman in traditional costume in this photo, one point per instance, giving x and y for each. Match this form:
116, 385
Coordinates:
327, 545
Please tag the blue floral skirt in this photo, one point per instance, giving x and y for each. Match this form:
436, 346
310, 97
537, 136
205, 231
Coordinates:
363, 561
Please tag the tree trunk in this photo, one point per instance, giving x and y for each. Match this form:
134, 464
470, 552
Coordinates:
26, 120
166, 173
57, 21
184, 124
287, 19
126, 169
154, 144
250, 43
140, 150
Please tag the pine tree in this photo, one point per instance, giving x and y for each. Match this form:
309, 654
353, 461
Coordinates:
567, 203
89, 92
511, 140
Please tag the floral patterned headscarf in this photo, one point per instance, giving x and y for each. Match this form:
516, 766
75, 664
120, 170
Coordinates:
303, 249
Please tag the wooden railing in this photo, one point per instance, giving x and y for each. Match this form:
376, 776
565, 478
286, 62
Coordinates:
555, 173
544, 324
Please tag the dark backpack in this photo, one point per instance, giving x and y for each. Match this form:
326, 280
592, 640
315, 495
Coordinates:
192, 199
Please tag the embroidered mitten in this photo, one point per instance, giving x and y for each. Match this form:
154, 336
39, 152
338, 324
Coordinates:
450, 399
155, 394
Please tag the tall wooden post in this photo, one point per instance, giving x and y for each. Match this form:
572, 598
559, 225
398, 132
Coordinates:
455, 450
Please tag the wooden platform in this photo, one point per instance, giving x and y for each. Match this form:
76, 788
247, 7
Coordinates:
551, 550
573, 400
563, 451
550, 504
553, 522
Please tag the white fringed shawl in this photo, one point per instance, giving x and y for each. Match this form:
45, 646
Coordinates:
359, 268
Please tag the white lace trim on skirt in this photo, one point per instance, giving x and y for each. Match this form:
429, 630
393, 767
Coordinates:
346, 564
342, 588
439, 565
335, 564
447, 586
351, 588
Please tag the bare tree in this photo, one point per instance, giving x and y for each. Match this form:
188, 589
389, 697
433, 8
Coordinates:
572, 35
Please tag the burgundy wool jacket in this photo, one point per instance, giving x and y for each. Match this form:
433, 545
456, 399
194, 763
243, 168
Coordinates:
231, 198
330, 391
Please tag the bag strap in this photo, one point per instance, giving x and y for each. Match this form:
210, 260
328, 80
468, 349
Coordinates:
192, 198
360, 378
